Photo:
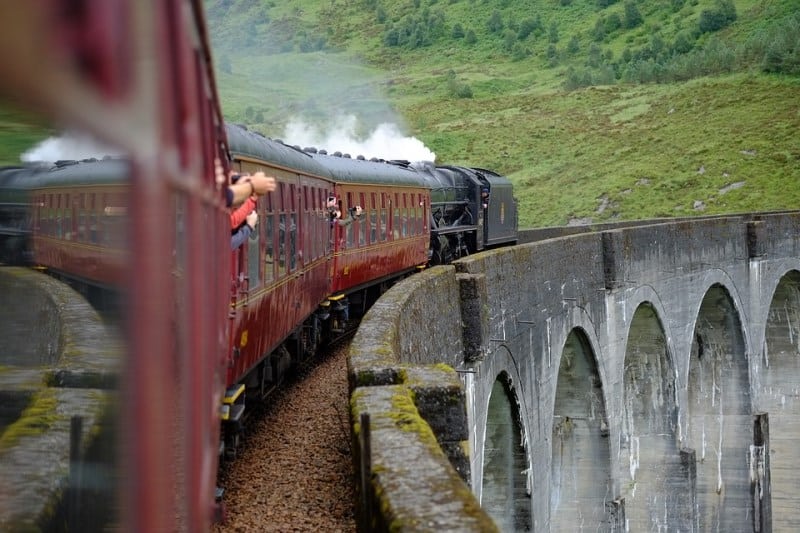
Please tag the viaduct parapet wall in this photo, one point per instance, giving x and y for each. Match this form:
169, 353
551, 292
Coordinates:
641, 375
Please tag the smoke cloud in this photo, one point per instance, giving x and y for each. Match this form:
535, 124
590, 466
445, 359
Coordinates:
70, 145
385, 141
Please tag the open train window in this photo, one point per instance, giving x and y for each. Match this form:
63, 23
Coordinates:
352, 227
269, 250
362, 229
253, 258
384, 218
373, 220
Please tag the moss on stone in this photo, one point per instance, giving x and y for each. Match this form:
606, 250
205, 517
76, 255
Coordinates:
35, 420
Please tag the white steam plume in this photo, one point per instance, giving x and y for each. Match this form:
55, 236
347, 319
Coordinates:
70, 145
385, 142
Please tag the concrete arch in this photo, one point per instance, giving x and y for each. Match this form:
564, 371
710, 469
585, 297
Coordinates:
718, 411
502, 365
580, 481
653, 480
777, 394
506, 485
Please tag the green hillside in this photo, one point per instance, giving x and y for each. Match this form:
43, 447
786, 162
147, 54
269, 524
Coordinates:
596, 109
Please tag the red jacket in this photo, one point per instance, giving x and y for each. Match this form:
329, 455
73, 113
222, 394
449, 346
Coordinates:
239, 215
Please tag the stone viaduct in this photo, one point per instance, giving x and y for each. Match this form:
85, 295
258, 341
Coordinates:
639, 377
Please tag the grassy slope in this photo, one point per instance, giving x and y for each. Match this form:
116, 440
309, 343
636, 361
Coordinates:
19, 132
648, 150
627, 151
622, 151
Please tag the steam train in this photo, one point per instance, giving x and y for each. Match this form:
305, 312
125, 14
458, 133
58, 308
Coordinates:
299, 281
209, 330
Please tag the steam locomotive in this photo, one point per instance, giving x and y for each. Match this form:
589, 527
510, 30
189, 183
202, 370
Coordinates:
299, 281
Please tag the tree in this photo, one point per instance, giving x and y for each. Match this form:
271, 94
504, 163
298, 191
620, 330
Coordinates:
509, 38
683, 43
526, 27
495, 23
574, 45
594, 56
722, 15
553, 32
458, 31
632, 16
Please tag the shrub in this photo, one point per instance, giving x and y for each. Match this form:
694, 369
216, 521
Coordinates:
722, 15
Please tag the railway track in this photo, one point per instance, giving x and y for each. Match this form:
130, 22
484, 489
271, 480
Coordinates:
294, 471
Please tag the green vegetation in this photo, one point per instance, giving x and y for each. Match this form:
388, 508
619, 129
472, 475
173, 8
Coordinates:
19, 132
596, 109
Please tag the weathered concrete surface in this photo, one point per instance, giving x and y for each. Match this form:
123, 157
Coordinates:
59, 361
652, 369
414, 462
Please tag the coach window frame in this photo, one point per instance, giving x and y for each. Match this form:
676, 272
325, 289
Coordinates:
293, 228
269, 237
373, 219
283, 262
384, 212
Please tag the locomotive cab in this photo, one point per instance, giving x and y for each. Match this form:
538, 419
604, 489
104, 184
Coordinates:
500, 213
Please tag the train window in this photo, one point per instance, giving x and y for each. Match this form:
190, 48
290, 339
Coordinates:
384, 221
351, 227
67, 218
320, 223
305, 227
362, 228
282, 263
404, 223
59, 232
93, 227
269, 254
420, 219
91, 219
396, 215
253, 256
293, 242
373, 220
82, 222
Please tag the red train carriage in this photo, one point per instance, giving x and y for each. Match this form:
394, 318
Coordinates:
391, 238
280, 275
80, 221
138, 75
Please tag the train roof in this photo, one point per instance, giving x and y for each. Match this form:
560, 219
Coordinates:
494, 179
340, 168
244, 143
363, 171
72, 173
